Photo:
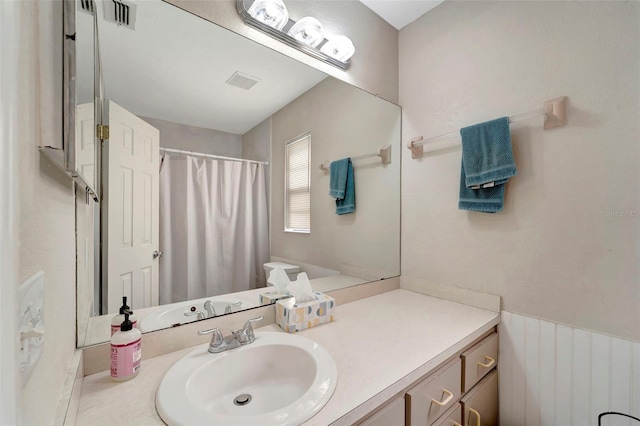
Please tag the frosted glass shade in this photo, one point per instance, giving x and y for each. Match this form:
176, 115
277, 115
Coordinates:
270, 12
308, 31
339, 47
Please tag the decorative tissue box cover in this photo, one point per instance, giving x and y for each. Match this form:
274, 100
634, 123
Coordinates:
292, 316
270, 297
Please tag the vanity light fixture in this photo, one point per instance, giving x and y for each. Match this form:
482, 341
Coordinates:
308, 30
339, 47
272, 18
271, 12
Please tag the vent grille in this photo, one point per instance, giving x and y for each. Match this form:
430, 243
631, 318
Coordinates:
88, 6
243, 81
120, 12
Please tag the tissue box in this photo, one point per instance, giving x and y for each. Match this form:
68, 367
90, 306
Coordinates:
270, 297
292, 316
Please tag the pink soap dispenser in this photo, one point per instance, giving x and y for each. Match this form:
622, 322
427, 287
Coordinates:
126, 351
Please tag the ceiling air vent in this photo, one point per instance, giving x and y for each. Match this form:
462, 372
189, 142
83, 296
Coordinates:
120, 12
88, 6
242, 81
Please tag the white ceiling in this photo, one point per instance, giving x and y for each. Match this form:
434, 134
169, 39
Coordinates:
174, 65
401, 13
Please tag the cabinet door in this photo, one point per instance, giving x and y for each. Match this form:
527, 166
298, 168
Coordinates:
390, 415
433, 396
480, 406
478, 361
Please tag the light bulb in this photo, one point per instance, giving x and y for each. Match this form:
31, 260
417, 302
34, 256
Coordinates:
308, 31
339, 47
270, 12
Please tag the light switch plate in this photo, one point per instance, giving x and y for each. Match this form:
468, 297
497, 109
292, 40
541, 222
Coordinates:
31, 323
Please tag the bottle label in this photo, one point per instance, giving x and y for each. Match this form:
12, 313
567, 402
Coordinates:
116, 328
125, 359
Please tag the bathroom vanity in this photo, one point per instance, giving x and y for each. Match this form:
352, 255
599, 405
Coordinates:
391, 350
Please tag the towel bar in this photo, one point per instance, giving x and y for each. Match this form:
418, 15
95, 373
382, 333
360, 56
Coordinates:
384, 153
553, 111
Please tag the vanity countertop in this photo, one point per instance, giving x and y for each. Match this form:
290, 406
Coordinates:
380, 344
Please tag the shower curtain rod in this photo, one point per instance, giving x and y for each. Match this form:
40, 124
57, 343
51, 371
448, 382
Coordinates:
219, 157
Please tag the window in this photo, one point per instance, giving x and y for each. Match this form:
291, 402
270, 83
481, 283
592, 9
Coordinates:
297, 185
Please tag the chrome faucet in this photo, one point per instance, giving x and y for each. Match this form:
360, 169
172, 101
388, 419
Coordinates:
211, 311
236, 339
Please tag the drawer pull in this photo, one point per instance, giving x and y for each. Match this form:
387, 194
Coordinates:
491, 362
446, 400
477, 416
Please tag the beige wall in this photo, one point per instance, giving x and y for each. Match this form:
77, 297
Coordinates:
374, 67
46, 202
343, 122
256, 143
558, 251
197, 139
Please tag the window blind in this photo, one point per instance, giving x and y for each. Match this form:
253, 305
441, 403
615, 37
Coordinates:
298, 185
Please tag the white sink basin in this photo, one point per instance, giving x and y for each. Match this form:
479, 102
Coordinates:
173, 315
289, 379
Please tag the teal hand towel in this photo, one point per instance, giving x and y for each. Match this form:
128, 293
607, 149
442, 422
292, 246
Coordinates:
487, 153
487, 200
338, 177
487, 164
342, 186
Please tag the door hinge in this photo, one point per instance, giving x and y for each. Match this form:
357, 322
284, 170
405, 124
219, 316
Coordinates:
102, 131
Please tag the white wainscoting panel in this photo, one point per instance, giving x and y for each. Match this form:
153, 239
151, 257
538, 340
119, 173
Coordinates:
551, 374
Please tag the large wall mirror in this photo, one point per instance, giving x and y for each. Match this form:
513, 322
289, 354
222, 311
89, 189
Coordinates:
212, 169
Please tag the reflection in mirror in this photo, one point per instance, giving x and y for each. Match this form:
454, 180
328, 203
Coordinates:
188, 231
85, 146
87, 214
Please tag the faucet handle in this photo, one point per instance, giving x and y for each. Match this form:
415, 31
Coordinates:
216, 340
199, 315
227, 309
248, 328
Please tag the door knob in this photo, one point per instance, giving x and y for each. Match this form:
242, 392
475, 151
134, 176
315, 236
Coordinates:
157, 254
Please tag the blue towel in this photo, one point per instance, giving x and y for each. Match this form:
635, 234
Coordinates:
487, 164
487, 200
342, 186
338, 177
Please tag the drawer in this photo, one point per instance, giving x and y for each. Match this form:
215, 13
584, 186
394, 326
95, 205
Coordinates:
480, 406
433, 396
390, 415
478, 361
453, 417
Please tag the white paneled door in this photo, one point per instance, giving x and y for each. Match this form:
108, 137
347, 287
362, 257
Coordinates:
85, 143
131, 160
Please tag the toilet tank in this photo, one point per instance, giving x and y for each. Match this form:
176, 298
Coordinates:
291, 270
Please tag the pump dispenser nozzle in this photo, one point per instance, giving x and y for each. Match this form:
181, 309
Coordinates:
126, 324
124, 308
117, 320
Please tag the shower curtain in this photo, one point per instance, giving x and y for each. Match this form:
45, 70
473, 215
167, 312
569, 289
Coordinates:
213, 227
